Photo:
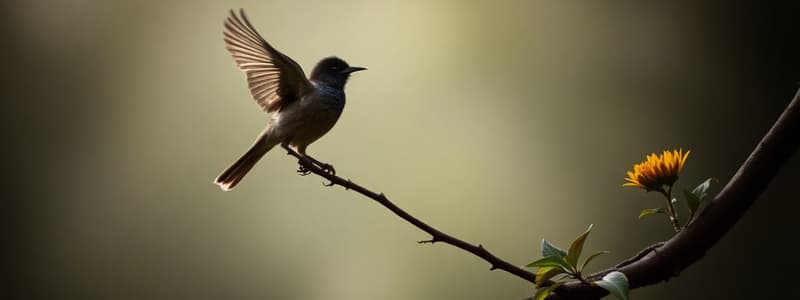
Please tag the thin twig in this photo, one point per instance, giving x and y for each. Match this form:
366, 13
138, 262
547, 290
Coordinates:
436, 235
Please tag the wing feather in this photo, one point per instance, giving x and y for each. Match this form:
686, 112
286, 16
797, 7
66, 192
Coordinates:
274, 79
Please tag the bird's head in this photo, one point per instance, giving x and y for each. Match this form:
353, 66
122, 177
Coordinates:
333, 71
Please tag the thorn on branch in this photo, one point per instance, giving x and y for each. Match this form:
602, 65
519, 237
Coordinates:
349, 183
431, 241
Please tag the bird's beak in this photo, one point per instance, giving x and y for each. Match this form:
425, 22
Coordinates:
353, 69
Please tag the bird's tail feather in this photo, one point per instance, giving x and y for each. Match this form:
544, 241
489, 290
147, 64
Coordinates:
233, 174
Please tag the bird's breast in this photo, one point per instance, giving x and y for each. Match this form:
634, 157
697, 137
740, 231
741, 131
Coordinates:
330, 98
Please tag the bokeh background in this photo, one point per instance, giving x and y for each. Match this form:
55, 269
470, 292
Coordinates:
501, 122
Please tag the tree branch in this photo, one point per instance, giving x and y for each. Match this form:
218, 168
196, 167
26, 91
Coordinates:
658, 262
437, 236
662, 262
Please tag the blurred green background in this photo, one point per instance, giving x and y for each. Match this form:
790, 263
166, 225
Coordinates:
500, 122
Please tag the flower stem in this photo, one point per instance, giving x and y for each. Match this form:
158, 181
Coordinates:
673, 214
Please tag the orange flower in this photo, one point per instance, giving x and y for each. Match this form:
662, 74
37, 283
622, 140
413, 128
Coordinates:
657, 171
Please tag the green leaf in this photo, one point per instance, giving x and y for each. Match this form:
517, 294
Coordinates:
550, 249
691, 201
576, 247
701, 191
552, 261
591, 257
542, 293
651, 211
697, 195
545, 273
615, 283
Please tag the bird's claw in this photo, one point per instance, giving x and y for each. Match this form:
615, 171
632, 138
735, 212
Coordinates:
305, 167
302, 170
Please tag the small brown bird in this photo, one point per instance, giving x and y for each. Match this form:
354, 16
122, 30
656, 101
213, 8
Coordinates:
301, 110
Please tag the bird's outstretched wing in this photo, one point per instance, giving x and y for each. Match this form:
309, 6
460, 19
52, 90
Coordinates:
275, 80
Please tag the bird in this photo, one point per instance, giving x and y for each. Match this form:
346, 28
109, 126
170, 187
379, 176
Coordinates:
301, 110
